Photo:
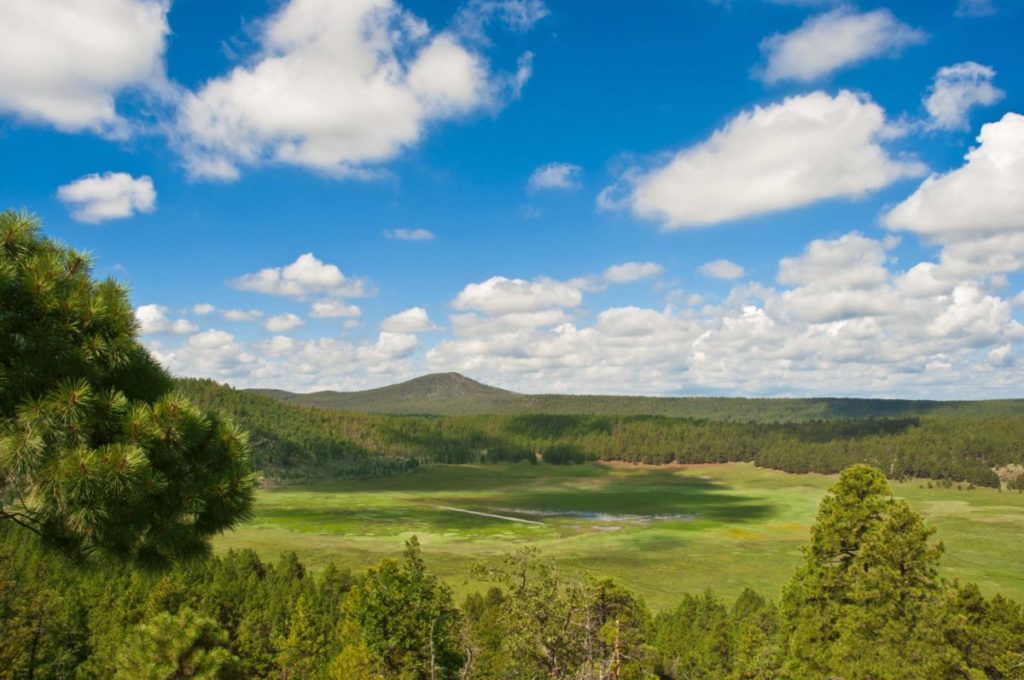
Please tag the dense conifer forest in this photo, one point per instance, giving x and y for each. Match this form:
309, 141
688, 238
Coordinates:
297, 442
868, 582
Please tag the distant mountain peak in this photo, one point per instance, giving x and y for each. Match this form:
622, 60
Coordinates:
441, 385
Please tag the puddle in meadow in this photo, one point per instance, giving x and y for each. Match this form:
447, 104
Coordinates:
599, 516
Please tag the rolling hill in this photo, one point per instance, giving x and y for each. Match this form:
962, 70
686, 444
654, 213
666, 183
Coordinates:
292, 441
452, 394
435, 394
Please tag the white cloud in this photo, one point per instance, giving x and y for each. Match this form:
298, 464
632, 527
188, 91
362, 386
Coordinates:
838, 279
830, 41
113, 195
302, 278
409, 234
203, 308
412, 320
243, 314
63, 63
468, 325
338, 87
631, 271
982, 198
975, 8
517, 15
802, 150
721, 269
388, 346
555, 176
282, 361
975, 212
852, 260
332, 309
278, 345
955, 90
153, 319
499, 295
211, 339
281, 323
840, 318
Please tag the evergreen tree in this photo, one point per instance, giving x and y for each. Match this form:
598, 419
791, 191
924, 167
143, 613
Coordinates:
96, 452
405, 622
869, 582
175, 647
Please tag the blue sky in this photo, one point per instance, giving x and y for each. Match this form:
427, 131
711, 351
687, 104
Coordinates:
671, 197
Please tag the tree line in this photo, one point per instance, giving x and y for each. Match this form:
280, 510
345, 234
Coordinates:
294, 442
866, 603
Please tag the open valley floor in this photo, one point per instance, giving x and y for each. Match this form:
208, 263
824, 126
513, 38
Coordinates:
661, 531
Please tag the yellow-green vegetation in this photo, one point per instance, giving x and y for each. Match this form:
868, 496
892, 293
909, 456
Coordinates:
661, 531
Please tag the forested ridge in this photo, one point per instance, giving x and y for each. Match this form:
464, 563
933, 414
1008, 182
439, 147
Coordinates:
452, 394
296, 442
865, 604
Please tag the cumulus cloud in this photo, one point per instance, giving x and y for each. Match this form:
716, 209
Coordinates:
473, 324
838, 279
305, 277
843, 312
338, 87
389, 346
409, 234
956, 90
109, 196
412, 320
64, 63
154, 319
242, 314
203, 308
499, 295
632, 271
981, 198
828, 42
840, 315
555, 176
975, 212
721, 269
210, 354
801, 150
289, 363
332, 309
281, 323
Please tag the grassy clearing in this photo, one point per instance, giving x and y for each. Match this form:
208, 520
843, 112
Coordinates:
723, 527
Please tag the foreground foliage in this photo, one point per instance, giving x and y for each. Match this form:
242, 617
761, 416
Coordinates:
96, 452
865, 604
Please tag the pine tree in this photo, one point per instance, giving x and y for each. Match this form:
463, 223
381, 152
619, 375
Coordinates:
867, 601
403, 622
96, 452
185, 645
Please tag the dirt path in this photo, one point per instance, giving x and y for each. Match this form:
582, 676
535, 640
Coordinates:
487, 514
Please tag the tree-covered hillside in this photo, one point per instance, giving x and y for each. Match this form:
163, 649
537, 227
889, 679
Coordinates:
451, 394
292, 441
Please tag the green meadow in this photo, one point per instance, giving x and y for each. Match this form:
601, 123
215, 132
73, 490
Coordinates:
661, 531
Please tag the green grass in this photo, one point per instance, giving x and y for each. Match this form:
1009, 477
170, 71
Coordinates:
741, 526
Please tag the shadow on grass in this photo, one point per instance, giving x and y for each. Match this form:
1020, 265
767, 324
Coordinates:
523, 491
